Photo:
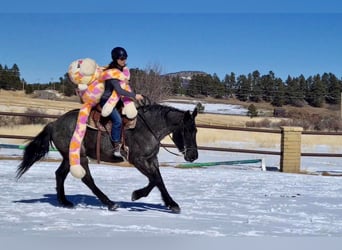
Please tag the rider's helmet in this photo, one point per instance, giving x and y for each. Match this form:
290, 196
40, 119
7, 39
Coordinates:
119, 53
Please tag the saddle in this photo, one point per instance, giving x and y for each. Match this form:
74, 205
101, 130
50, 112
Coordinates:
104, 125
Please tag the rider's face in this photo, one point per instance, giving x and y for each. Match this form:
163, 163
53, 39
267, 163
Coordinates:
122, 61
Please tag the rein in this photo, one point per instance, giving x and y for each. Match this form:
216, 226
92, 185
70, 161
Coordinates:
155, 136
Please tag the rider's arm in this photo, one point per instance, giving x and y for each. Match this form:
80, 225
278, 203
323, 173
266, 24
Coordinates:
121, 92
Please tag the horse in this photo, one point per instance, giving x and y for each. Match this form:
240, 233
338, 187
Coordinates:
154, 122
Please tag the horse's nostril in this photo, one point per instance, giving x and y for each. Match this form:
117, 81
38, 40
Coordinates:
190, 157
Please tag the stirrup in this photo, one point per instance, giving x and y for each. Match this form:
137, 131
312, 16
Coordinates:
124, 151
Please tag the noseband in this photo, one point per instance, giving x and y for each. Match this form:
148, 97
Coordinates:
184, 151
186, 148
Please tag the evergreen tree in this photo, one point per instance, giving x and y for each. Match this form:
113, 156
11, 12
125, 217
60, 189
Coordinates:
229, 83
293, 95
10, 78
216, 87
278, 99
267, 83
199, 85
5, 78
252, 111
256, 91
2, 77
333, 86
176, 85
244, 88
317, 92
15, 77
303, 86
192, 89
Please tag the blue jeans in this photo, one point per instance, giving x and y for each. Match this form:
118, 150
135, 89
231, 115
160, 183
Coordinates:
116, 123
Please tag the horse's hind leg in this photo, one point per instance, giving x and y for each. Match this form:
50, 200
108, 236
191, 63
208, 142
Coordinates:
89, 181
61, 173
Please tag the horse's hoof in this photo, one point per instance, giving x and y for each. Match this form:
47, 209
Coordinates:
175, 209
66, 204
135, 196
113, 207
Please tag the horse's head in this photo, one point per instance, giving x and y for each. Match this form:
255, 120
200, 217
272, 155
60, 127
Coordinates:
185, 136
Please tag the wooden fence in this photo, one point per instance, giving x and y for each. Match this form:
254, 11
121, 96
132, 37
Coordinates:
290, 143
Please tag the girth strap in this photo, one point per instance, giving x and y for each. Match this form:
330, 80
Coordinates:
98, 146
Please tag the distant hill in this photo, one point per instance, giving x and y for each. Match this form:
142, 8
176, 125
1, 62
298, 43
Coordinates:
186, 76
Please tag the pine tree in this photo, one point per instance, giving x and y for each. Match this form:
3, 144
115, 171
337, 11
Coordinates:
2, 77
333, 86
317, 92
230, 85
252, 111
244, 88
256, 91
278, 99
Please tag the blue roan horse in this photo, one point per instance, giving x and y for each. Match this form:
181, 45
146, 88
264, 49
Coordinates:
154, 122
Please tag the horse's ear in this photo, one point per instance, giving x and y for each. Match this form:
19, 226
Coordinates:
194, 113
187, 116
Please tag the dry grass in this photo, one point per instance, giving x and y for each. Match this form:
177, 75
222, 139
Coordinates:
17, 101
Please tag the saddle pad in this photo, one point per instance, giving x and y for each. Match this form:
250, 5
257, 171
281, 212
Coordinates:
96, 121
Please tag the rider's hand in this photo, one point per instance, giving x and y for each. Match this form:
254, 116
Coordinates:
139, 97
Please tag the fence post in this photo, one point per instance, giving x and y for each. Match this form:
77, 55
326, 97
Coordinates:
290, 149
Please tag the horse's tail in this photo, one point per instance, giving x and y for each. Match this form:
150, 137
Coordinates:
35, 150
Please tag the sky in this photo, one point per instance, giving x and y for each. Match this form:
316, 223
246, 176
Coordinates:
286, 37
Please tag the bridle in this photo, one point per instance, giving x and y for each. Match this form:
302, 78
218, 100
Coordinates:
155, 136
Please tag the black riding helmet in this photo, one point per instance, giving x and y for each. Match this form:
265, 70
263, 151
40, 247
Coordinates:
119, 52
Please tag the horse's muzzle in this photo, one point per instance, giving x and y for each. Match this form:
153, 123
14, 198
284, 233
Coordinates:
191, 154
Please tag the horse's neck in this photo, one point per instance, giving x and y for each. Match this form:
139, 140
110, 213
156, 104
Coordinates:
172, 120
163, 123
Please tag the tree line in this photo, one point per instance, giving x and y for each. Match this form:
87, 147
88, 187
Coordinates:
10, 78
297, 91
314, 90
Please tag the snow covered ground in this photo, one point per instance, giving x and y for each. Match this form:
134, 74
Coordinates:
217, 202
223, 207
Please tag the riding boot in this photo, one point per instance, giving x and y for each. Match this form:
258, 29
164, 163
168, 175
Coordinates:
117, 146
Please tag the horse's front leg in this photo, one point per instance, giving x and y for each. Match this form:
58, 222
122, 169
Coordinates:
169, 202
150, 168
89, 181
143, 192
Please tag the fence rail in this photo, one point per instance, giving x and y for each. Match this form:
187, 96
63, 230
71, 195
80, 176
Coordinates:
238, 150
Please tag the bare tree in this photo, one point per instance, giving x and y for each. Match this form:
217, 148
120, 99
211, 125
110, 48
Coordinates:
150, 83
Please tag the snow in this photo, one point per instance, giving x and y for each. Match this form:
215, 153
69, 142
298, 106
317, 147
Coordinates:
217, 202
222, 207
216, 108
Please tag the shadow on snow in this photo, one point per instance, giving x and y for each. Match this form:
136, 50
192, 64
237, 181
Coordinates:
89, 201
